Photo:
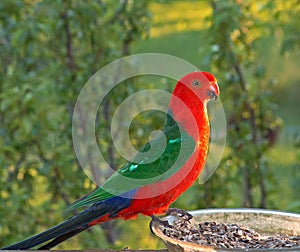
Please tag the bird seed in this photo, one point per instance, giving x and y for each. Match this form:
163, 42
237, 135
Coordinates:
223, 235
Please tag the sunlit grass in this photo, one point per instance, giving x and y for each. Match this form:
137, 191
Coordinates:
178, 16
283, 154
189, 46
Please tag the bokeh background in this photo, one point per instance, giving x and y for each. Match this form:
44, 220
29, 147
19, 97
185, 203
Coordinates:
49, 49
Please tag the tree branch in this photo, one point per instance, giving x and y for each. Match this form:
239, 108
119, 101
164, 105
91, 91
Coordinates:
69, 47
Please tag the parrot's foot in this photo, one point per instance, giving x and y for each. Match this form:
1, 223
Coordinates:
156, 219
179, 213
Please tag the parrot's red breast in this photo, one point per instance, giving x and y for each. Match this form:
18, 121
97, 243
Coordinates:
194, 90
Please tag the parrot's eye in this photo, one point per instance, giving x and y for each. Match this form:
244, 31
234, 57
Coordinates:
196, 83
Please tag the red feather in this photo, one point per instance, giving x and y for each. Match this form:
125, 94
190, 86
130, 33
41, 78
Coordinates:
195, 99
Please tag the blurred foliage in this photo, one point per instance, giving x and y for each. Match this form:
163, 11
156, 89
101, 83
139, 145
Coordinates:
252, 121
49, 49
240, 29
284, 13
295, 178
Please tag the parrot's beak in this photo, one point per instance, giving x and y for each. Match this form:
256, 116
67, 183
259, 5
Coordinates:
213, 93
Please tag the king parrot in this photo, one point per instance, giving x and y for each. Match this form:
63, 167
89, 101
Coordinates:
140, 186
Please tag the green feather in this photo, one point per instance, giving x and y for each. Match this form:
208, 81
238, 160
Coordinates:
139, 172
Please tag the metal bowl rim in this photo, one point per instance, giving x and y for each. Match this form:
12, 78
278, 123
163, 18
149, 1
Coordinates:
158, 232
243, 211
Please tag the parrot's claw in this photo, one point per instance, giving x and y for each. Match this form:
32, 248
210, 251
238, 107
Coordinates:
179, 213
156, 219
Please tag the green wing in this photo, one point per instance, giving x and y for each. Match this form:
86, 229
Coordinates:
143, 170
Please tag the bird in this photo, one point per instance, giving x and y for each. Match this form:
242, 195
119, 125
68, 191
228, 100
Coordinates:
141, 185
